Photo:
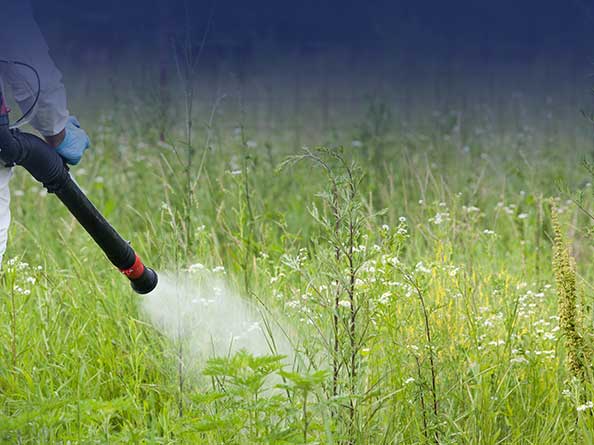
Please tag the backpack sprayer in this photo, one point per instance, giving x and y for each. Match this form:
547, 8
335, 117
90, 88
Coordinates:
47, 167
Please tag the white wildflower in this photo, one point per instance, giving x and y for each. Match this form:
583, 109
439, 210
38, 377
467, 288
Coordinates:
454, 271
440, 218
420, 267
293, 304
586, 406
385, 297
196, 267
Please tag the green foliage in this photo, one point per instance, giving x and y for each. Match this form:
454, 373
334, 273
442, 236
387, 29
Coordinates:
242, 408
411, 272
570, 319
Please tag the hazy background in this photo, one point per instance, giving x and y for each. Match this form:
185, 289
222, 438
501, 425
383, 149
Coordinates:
319, 64
527, 26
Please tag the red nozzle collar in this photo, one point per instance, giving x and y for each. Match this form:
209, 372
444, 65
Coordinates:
135, 271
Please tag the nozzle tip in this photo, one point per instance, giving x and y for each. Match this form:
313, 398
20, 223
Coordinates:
146, 283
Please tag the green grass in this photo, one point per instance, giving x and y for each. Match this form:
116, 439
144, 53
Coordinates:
463, 249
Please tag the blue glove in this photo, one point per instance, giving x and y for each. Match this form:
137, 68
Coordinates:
75, 142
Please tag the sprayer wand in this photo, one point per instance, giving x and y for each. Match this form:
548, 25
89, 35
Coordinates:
47, 167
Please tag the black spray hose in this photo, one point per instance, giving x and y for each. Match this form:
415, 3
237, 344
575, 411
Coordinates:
47, 167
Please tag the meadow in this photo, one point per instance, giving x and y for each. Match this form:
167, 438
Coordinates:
400, 238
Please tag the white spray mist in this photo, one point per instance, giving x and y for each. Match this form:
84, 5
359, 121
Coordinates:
200, 310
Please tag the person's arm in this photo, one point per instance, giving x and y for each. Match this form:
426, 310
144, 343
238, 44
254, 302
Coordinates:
21, 40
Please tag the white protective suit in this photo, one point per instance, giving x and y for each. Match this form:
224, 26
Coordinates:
22, 41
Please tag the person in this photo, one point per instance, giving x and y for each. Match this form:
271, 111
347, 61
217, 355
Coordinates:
21, 40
